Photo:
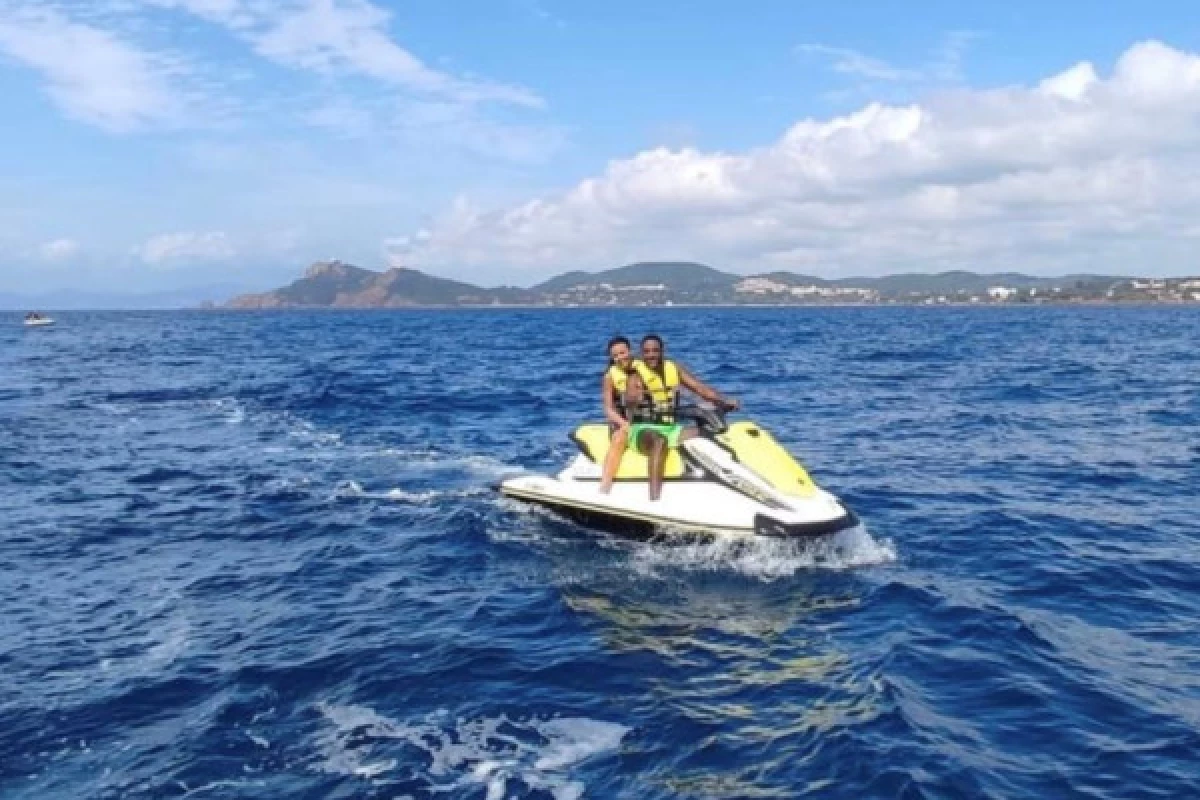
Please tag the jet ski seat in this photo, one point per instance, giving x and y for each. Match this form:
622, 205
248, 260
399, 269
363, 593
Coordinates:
749, 444
593, 440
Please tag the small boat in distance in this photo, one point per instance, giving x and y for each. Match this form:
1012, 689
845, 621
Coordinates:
35, 319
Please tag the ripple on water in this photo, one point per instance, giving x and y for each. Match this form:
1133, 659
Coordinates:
259, 555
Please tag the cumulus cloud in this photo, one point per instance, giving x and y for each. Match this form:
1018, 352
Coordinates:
92, 74
1076, 172
58, 250
168, 249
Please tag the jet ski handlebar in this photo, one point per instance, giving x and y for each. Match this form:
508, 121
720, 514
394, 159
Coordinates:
711, 419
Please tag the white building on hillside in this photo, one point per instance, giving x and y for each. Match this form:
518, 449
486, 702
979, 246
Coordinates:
760, 286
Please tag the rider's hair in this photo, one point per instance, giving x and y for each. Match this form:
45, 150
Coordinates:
652, 337
616, 340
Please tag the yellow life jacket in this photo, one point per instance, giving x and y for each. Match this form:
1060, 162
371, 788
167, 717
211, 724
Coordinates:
619, 379
663, 386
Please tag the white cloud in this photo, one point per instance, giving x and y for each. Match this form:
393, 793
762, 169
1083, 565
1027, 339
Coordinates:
168, 249
92, 74
947, 62
1077, 172
118, 64
351, 36
58, 249
943, 67
343, 37
1072, 84
227, 11
342, 118
439, 125
343, 42
851, 62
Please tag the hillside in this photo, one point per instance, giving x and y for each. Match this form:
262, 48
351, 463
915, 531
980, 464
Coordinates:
674, 275
334, 284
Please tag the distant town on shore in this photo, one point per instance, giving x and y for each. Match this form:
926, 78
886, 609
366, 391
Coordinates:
334, 284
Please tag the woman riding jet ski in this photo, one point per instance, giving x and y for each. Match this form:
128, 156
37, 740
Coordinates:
721, 479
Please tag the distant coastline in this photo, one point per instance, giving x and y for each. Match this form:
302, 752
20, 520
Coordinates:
337, 285
676, 306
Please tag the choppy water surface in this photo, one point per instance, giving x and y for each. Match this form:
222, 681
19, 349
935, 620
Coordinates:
258, 555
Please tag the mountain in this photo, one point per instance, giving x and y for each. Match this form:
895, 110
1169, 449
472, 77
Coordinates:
682, 276
336, 284
339, 285
323, 284
403, 286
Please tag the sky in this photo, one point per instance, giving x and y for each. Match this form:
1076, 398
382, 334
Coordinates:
149, 145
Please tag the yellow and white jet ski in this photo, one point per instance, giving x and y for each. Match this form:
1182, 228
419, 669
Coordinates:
730, 480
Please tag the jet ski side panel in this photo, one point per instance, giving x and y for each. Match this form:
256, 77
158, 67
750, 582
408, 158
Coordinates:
592, 517
684, 505
758, 451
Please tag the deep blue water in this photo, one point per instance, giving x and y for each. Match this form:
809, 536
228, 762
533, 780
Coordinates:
258, 556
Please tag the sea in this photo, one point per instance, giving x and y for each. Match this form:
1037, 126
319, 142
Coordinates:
260, 555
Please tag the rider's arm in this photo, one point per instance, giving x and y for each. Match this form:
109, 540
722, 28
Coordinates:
704, 390
610, 410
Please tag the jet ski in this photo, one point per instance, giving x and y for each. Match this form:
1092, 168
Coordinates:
730, 480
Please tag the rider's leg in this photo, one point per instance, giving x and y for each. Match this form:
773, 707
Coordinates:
612, 461
654, 445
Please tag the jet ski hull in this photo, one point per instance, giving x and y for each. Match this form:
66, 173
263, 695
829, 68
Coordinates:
765, 525
686, 506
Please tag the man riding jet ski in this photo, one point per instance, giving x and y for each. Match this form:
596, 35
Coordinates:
639, 400
721, 479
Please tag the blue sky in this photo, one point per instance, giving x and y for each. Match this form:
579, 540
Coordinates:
153, 144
